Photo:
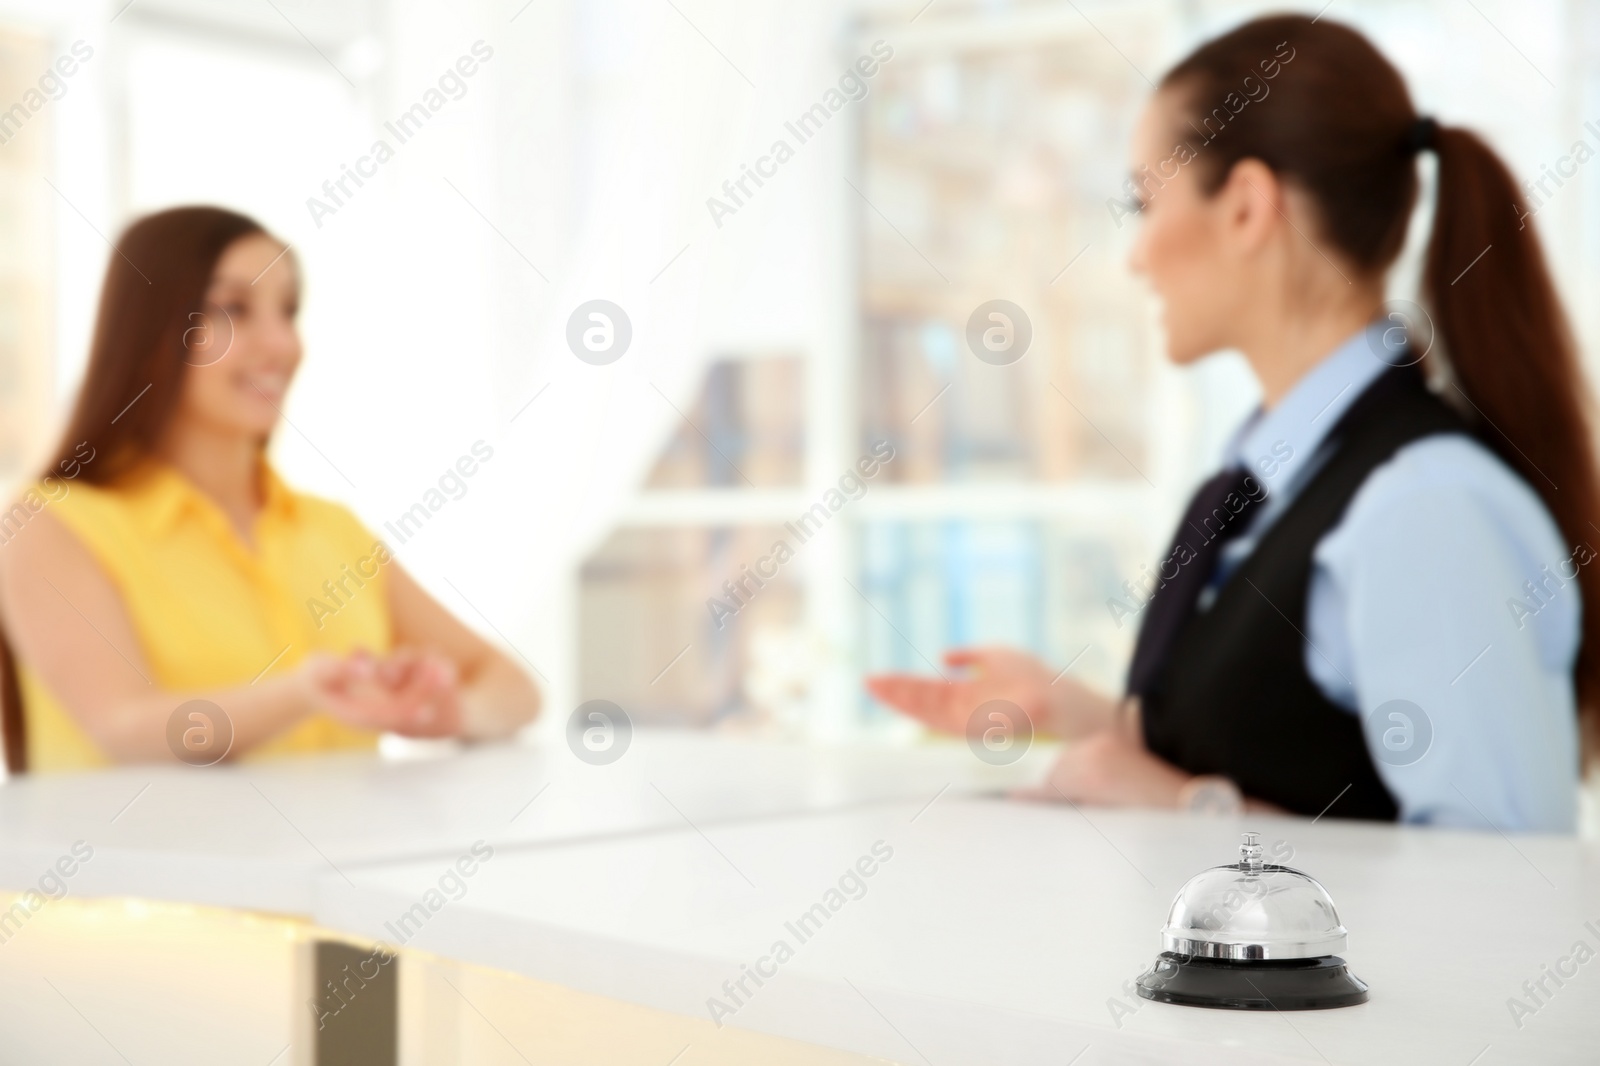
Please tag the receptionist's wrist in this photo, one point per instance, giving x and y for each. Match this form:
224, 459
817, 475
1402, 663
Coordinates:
1211, 794
1073, 710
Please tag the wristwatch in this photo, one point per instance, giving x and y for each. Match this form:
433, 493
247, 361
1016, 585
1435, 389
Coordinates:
1211, 794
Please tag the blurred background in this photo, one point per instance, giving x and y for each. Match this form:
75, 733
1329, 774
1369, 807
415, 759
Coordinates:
778, 334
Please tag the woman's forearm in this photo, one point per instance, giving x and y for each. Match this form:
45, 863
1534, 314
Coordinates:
135, 730
497, 700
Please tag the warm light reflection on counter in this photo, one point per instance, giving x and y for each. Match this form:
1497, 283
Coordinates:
179, 983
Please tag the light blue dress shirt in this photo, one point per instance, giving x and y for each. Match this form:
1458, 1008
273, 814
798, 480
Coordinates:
1413, 597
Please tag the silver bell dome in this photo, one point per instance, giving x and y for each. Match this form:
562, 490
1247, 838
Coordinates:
1252, 910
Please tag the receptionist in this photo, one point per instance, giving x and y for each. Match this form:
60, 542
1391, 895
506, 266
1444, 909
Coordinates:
1376, 607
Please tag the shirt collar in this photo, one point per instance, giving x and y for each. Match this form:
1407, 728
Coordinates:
166, 495
1288, 435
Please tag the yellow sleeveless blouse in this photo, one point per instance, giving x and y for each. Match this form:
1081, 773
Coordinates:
210, 611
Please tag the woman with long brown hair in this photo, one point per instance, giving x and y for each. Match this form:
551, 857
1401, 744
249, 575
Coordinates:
1375, 610
164, 593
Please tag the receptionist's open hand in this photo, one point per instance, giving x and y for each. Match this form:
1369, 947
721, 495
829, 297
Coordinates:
1059, 705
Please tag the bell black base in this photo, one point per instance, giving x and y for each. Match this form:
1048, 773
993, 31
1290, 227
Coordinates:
1279, 984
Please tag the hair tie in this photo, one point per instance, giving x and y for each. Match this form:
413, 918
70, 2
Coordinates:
1422, 135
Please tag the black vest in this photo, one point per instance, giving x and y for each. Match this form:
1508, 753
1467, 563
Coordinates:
1233, 696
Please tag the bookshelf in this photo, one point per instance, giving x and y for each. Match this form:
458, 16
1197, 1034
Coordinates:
1027, 491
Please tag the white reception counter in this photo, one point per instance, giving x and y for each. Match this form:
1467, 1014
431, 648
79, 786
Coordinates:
888, 904
1007, 933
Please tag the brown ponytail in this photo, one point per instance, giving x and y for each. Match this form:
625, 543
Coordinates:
1317, 103
1513, 357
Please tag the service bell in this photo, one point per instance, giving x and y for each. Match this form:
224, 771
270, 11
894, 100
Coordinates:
1253, 936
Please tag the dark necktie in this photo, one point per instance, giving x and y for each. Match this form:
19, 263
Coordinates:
1208, 524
